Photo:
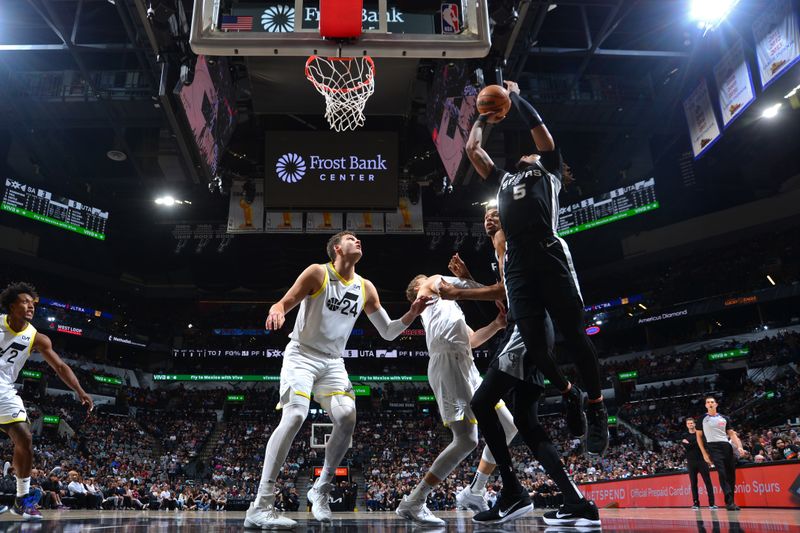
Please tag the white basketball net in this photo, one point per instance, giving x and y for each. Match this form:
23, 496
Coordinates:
346, 83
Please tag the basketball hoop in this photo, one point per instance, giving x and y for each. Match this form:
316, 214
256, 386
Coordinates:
346, 83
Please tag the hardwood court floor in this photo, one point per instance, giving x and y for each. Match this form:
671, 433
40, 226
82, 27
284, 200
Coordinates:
637, 520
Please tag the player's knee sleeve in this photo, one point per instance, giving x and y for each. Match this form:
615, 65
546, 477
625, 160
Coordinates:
465, 439
293, 416
507, 421
343, 411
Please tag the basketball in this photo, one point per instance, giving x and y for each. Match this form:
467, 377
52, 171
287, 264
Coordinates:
494, 99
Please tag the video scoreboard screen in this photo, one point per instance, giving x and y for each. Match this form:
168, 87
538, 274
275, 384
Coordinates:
44, 206
608, 207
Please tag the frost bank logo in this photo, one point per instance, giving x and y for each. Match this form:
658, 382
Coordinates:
278, 19
290, 168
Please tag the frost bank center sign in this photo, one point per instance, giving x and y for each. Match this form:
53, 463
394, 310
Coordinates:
319, 170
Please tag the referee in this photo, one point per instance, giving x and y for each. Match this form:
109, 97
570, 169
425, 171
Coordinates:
538, 271
696, 465
717, 431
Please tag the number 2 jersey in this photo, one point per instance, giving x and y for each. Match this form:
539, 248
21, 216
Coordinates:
326, 318
15, 348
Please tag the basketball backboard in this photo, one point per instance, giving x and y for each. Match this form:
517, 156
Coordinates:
391, 28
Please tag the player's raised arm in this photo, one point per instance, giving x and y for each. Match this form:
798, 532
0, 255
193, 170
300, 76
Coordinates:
44, 346
307, 283
477, 155
541, 135
478, 337
387, 328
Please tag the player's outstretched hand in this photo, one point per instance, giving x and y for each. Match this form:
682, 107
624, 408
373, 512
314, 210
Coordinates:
511, 86
275, 320
458, 267
447, 291
87, 401
501, 306
419, 305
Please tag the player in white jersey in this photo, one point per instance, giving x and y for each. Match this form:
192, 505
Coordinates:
18, 338
331, 296
454, 379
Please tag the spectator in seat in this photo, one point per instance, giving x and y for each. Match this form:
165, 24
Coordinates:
783, 451
292, 500
94, 495
78, 491
166, 498
130, 498
53, 491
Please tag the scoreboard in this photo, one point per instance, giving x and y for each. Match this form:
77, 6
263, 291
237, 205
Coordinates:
608, 207
44, 206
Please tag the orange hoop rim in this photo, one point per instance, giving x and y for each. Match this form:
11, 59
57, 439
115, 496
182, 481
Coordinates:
344, 90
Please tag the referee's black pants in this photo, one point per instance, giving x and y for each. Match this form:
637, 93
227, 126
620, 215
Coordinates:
700, 467
721, 454
541, 280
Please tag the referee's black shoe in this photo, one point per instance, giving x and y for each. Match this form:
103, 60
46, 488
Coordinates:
582, 514
597, 436
505, 509
574, 403
733, 507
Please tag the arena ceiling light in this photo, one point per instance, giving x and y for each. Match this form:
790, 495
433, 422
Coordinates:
771, 111
769, 278
169, 201
710, 13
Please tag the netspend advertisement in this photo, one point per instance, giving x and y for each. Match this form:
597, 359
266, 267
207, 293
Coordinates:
330, 171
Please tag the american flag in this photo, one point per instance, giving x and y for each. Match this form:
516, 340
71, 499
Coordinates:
237, 23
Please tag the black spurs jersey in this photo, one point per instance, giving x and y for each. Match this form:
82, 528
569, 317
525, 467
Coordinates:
528, 200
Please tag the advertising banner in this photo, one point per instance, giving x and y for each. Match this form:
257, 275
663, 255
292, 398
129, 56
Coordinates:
775, 485
703, 127
777, 40
734, 83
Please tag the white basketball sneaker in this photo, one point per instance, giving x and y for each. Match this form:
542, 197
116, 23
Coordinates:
417, 511
318, 496
266, 518
466, 499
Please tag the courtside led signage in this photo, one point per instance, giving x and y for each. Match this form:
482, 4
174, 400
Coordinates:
110, 380
728, 354
627, 376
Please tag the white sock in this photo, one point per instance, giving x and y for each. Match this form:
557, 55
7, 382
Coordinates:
479, 483
23, 486
267, 497
420, 492
328, 474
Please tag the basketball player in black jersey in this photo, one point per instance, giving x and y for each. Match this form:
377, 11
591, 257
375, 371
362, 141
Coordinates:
513, 372
539, 276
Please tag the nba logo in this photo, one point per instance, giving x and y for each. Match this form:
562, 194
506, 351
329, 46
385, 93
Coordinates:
450, 20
